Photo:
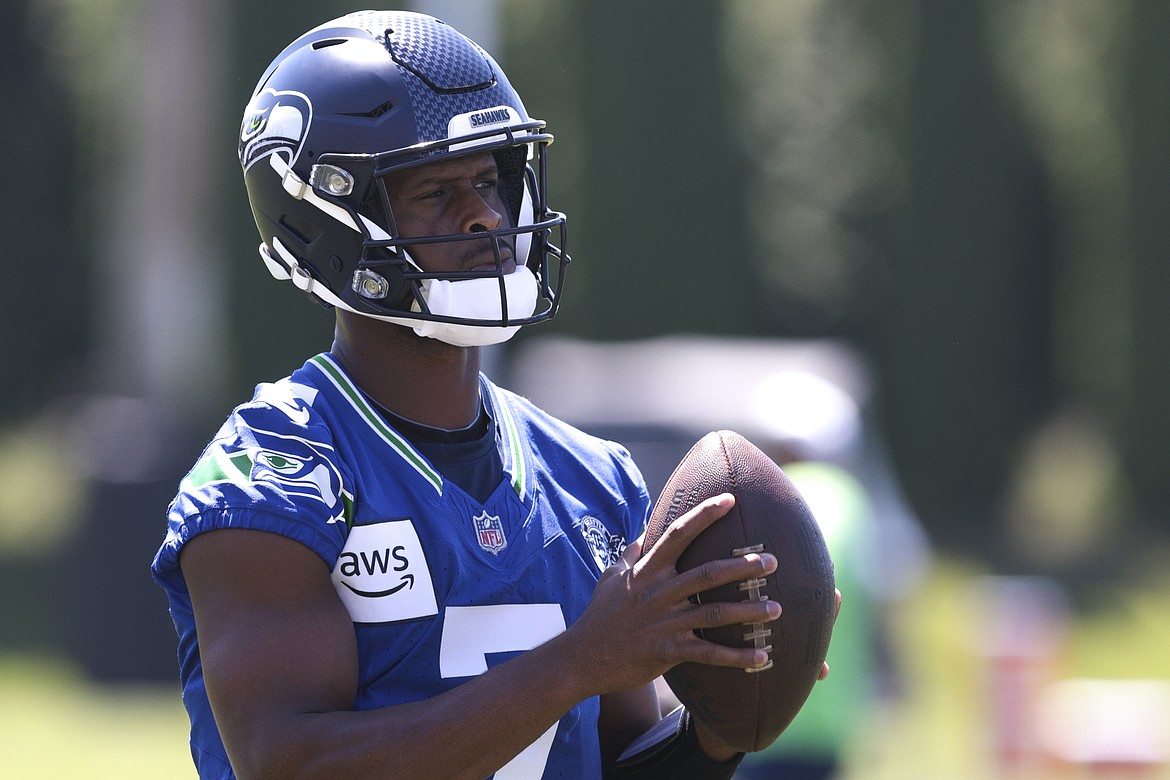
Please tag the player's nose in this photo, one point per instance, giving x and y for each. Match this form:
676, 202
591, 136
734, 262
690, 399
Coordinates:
479, 215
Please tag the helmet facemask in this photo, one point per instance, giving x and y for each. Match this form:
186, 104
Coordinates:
490, 298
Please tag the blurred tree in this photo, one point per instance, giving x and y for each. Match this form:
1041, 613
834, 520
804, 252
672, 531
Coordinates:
544, 57
636, 99
47, 250
961, 347
1062, 67
153, 372
1147, 420
146, 191
273, 327
896, 201
815, 85
1063, 64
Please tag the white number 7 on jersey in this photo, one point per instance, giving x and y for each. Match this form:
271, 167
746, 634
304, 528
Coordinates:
470, 633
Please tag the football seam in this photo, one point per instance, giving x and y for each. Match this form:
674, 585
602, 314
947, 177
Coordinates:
734, 479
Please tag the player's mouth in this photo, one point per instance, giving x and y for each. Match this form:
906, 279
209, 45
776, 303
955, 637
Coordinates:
507, 266
484, 259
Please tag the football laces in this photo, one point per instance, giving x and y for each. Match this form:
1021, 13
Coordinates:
758, 635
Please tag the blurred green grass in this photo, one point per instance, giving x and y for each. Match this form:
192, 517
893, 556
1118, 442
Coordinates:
56, 725
942, 727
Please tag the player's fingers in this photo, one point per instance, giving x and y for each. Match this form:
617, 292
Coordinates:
682, 532
824, 671
729, 613
712, 574
700, 651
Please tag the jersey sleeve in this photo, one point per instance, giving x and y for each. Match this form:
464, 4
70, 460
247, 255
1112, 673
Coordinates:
272, 467
637, 495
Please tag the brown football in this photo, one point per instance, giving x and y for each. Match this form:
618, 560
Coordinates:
749, 709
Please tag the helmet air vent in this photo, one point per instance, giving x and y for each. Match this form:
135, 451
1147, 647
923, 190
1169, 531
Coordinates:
373, 113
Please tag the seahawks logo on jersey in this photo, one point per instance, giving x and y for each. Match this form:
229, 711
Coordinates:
274, 122
295, 467
606, 547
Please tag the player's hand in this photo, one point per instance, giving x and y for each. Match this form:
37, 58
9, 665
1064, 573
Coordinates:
641, 620
836, 611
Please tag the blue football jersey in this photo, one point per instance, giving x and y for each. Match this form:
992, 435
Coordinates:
440, 586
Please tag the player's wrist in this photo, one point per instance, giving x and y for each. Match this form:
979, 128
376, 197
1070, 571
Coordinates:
672, 751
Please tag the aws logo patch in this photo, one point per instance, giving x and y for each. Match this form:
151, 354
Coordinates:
382, 574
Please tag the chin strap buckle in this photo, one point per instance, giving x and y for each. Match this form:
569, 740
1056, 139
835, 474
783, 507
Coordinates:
294, 185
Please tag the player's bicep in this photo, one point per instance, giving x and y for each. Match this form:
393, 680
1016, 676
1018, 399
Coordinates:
274, 639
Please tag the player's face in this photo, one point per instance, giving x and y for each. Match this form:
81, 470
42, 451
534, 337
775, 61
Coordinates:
460, 195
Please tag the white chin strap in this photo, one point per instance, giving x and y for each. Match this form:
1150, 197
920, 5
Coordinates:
475, 299
467, 298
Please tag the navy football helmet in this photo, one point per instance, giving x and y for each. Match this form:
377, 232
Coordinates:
365, 95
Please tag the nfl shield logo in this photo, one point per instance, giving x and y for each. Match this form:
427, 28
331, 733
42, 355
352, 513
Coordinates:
489, 532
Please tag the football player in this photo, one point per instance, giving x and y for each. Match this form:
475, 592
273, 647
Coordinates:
384, 565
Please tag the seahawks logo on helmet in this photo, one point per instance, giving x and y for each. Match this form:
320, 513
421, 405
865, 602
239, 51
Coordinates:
274, 122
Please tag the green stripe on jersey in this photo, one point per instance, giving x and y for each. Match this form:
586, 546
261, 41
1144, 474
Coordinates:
512, 444
218, 466
340, 380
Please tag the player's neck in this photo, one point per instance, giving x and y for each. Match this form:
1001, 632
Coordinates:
417, 378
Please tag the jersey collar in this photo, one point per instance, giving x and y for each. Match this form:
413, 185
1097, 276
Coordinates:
507, 433
508, 438
340, 380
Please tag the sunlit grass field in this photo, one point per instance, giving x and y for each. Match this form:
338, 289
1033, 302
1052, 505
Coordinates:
54, 725
943, 727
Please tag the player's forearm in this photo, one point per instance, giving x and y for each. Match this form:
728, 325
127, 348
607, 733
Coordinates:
468, 732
